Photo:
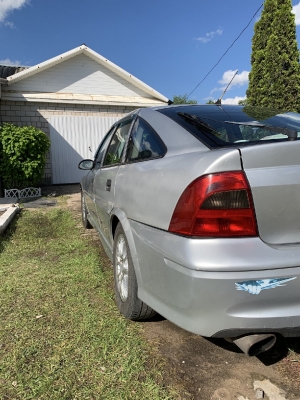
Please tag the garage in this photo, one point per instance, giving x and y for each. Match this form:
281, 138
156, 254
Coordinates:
73, 139
74, 98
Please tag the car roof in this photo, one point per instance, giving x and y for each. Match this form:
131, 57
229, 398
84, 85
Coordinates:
190, 107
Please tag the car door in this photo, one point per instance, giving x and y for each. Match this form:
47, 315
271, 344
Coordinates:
99, 156
105, 177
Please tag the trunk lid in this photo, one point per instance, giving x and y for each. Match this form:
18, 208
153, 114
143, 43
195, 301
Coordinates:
273, 171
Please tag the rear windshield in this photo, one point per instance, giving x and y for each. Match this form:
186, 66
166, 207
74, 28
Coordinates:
221, 126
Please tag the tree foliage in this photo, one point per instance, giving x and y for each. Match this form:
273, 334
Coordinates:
183, 99
243, 102
274, 80
22, 155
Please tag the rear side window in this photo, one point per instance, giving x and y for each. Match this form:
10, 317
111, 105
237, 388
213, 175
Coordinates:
144, 143
117, 144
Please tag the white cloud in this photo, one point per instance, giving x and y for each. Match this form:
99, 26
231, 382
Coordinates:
296, 11
215, 89
6, 6
8, 62
230, 100
209, 36
234, 100
239, 80
10, 24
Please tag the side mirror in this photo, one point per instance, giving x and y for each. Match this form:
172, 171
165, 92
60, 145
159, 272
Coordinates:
86, 165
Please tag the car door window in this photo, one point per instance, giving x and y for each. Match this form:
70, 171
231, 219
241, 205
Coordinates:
117, 144
102, 149
144, 143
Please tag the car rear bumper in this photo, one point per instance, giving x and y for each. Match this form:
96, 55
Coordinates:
219, 287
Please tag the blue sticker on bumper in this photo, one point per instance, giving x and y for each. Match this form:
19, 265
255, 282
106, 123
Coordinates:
255, 287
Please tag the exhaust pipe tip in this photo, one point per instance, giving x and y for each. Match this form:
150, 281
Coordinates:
252, 345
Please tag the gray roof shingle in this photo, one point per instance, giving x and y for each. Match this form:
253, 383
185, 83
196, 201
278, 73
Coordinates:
8, 70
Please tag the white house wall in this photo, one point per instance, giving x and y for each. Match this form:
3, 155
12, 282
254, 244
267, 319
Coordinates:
80, 75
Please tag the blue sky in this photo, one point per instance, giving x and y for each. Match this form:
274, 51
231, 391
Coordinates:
168, 44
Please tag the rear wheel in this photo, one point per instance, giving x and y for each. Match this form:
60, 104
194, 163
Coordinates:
126, 287
84, 213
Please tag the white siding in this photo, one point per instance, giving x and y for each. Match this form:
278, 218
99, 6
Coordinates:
71, 138
81, 75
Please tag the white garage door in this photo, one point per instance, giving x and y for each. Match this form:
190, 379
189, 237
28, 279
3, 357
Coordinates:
73, 139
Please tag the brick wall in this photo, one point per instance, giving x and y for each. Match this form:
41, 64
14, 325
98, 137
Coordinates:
37, 115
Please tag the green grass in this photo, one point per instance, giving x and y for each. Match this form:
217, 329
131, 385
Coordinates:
61, 335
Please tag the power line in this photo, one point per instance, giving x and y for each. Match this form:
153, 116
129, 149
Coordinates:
225, 52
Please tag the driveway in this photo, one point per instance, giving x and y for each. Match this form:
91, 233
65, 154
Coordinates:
206, 369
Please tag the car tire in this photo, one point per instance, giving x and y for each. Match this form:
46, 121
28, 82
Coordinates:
126, 287
84, 213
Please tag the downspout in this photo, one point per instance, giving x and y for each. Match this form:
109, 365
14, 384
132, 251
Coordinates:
2, 81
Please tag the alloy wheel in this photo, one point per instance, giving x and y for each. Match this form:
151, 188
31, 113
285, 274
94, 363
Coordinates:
122, 268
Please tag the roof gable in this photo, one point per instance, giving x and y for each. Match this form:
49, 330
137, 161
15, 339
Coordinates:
81, 67
79, 75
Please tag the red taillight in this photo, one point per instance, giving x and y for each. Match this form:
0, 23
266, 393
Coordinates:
216, 205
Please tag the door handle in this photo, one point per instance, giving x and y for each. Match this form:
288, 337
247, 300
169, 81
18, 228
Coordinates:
108, 185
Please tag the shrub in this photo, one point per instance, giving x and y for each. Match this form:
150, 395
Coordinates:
22, 155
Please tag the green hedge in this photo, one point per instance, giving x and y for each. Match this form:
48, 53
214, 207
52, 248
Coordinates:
22, 155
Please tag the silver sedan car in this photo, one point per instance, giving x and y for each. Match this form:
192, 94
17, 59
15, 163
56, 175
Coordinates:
197, 207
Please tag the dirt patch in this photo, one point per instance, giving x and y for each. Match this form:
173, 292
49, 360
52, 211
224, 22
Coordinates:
204, 368
60, 190
207, 369
39, 203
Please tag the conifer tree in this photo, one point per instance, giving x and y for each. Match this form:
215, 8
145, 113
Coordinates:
262, 31
275, 77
